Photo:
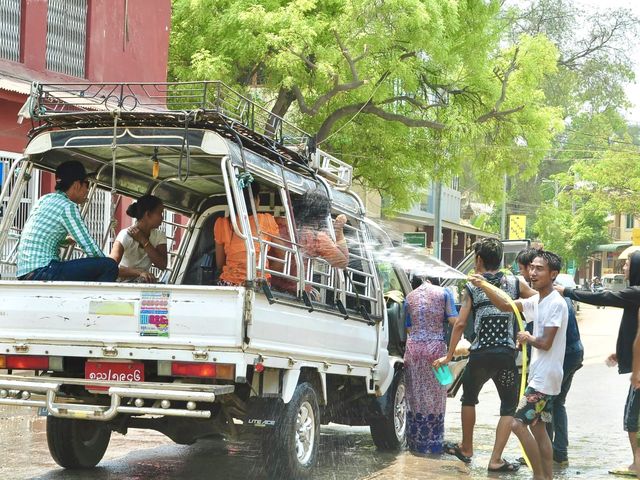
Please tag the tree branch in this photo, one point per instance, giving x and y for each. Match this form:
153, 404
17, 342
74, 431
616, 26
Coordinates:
372, 109
413, 101
498, 115
504, 80
305, 59
347, 56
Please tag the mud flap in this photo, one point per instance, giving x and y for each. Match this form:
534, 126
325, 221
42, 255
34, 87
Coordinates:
263, 412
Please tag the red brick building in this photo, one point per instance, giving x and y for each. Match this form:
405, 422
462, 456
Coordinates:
75, 40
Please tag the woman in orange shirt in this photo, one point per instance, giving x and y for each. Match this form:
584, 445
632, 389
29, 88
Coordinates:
231, 253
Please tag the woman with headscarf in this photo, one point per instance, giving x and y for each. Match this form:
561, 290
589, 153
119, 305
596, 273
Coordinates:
629, 300
427, 308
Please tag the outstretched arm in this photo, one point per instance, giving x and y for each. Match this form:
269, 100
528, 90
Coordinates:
456, 334
628, 297
493, 294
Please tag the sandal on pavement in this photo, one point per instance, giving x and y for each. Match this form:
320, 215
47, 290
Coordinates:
623, 472
454, 449
507, 467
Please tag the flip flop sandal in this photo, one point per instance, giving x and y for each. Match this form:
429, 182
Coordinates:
623, 472
454, 449
507, 467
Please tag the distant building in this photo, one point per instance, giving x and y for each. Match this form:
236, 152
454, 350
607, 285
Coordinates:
604, 259
457, 234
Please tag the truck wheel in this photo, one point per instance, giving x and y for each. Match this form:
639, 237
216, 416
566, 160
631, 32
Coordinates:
77, 443
292, 448
389, 432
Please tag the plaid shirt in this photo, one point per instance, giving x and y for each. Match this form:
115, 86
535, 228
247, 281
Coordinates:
52, 219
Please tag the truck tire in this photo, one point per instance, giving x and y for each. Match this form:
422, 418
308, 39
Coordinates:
291, 449
77, 443
389, 432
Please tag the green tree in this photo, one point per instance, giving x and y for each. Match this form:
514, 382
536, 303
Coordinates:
405, 90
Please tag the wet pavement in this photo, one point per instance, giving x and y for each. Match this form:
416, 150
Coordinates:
597, 442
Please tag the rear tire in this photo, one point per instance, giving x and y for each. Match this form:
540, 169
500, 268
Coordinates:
389, 432
77, 443
291, 449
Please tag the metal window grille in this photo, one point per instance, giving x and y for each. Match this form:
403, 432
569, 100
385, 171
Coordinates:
8, 250
67, 36
10, 11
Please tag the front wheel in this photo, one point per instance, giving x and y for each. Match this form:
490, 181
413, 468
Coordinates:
292, 448
389, 431
77, 443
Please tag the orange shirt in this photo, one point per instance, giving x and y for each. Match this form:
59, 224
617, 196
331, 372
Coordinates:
235, 269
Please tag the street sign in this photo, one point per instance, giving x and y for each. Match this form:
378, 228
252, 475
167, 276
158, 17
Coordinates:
517, 227
417, 239
635, 236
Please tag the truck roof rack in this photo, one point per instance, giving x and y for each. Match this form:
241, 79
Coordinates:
200, 104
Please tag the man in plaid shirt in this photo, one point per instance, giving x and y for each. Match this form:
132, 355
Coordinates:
55, 217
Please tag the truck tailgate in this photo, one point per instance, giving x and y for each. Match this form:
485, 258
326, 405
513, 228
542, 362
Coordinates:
92, 313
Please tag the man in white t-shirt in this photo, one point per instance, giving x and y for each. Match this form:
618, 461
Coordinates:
549, 312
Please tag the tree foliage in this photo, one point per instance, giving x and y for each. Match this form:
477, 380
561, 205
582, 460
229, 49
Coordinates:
405, 90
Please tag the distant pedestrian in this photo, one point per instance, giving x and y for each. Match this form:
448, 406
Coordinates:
629, 300
428, 307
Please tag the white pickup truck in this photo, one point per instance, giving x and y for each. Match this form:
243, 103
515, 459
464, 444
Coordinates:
186, 357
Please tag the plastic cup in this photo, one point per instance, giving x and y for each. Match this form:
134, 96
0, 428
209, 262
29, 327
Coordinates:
443, 375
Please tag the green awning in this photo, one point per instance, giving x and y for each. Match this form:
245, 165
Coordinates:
612, 247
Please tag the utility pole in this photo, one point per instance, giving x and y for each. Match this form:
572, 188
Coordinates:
437, 223
503, 216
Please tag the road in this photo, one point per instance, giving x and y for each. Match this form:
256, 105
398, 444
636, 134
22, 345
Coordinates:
594, 404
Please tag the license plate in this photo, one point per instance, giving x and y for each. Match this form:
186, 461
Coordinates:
112, 372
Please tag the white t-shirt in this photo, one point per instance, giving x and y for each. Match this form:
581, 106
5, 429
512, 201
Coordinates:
545, 369
134, 255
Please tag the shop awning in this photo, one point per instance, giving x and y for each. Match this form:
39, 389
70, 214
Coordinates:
612, 247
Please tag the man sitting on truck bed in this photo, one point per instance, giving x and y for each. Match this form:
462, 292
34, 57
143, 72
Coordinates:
55, 217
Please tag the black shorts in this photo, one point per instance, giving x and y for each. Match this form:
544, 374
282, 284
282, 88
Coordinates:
499, 367
632, 410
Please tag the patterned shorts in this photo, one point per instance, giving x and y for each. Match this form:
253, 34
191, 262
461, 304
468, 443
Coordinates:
534, 406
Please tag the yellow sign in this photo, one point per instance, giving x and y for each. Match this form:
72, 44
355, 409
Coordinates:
635, 236
517, 227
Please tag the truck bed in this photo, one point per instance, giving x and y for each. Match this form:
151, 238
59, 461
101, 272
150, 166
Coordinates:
81, 314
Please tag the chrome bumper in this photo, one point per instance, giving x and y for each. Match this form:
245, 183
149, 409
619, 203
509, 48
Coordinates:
20, 391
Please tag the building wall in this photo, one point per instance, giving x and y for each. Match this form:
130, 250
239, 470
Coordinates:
121, 46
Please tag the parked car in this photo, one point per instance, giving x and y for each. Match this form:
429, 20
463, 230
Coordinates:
614, 282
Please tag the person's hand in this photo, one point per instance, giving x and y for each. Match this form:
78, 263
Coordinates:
69, 241
635, 380
524, 337
612, 360
147, 277
340, 222
559, 289
476, 279
138, 235
441, 362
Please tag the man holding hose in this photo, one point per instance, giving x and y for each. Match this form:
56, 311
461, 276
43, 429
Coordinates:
492, 354
549, 314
